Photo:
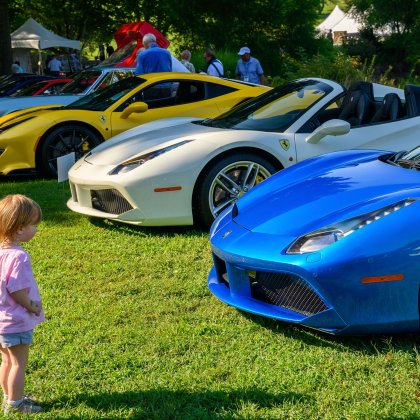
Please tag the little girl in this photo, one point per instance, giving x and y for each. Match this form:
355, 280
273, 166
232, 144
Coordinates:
20, 302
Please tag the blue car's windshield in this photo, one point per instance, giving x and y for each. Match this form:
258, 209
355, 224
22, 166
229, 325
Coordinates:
275, 110
102, 99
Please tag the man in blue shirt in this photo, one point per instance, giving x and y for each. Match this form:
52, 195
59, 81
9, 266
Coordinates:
249, 68
153, 59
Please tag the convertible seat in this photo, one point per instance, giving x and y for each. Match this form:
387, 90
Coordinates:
357, 104
412, 100
390, 109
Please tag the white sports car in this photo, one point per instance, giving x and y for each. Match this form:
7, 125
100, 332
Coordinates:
184, 171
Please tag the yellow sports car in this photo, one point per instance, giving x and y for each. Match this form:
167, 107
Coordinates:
33, 139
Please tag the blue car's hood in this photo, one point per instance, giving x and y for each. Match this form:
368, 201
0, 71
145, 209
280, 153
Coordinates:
321, 191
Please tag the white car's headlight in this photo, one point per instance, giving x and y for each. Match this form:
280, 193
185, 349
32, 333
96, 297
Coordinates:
137, 161
319, 239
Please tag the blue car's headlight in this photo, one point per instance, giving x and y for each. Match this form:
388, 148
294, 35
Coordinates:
319, 239
137, 161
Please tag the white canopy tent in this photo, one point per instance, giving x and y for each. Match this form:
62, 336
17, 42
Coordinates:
331, 20
348, 24
32, 35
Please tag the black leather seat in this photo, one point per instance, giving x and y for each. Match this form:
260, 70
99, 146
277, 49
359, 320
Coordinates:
390, 109
412, 100
357, 104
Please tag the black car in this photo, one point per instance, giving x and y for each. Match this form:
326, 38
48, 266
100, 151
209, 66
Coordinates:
13, 83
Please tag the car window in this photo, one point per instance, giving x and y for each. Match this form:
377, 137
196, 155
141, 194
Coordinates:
112, 77
170, 93
157, 95
29, 90
81, 82
102, 99
213, 90
275, 110
326, 113
53, 89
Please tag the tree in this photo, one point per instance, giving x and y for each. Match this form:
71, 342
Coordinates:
5, 43
399, 22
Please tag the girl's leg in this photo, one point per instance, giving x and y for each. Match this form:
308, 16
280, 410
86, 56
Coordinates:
16, 381
5, 366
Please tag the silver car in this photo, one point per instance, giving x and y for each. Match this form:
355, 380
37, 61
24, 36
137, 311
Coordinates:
84, 82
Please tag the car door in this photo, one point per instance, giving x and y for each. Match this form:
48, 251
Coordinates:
173, 98
402, 134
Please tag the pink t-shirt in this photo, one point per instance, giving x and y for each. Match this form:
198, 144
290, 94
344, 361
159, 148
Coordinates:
16, 274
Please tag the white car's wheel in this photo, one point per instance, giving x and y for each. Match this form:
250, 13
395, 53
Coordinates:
226, 181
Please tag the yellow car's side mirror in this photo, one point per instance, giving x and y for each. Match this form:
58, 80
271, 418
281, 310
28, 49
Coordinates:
137, 107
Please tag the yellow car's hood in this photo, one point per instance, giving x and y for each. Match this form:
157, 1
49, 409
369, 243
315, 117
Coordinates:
33, 112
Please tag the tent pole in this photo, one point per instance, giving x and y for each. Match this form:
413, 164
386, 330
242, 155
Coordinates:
40, 69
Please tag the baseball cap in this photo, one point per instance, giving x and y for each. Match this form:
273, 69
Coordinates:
244, 50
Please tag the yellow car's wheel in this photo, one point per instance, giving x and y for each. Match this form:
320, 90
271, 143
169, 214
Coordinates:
62, 141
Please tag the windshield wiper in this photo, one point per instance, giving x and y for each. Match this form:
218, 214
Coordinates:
409, 164
393, 160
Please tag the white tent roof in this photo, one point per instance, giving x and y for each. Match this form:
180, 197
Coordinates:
331, 20
33, 35
347, 24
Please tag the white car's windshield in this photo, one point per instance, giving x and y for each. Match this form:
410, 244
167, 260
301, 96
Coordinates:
275, 110
81, 82
409, 160
101, 100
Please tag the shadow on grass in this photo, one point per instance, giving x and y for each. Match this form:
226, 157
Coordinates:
167, 404
135, 230
368, 344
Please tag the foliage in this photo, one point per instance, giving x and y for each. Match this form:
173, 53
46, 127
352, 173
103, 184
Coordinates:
132, 331
340, 67
398, 47
263, 25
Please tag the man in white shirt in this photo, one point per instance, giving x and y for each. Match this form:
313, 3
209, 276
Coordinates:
214, 66
55, 66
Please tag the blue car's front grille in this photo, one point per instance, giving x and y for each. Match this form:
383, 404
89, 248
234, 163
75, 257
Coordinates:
286, 290
109, 201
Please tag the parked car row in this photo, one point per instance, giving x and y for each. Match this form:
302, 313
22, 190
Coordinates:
188, 170
33, 138
330, 242
81, 84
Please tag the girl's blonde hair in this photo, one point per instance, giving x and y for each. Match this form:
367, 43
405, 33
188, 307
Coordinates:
16, 212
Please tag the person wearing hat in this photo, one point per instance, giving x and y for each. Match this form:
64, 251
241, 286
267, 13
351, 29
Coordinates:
249, 68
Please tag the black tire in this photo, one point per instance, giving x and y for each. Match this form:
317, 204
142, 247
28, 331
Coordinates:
61, 141
213, 195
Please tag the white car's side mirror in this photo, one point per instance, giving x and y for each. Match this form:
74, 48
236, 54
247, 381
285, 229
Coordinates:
329, 128
137, 107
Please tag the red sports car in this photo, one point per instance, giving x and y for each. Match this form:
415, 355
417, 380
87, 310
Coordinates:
44, 87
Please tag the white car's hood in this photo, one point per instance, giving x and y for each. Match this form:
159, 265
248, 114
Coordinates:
145, 138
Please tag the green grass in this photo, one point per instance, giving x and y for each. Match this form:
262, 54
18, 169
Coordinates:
133, 332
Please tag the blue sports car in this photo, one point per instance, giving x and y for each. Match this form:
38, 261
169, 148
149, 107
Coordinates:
332, 243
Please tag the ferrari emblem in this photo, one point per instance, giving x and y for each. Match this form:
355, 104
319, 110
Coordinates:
102, 118
285, 144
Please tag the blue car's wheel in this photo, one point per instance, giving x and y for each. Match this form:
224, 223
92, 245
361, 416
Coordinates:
226, 181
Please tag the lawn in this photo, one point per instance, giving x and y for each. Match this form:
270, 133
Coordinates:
133, 332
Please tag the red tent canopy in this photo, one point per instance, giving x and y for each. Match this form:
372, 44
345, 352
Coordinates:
132, 34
